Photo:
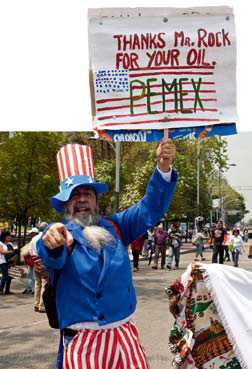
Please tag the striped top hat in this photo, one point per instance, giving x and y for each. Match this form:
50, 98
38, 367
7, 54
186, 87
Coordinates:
76, 168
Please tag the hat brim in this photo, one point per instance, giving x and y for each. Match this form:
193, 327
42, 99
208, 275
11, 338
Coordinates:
58, 200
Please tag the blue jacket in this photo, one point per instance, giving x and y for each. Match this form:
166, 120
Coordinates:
98, 287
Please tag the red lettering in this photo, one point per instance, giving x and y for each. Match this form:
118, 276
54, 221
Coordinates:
151, 56
144, 41
127, 42
133, 60
126, 61
118, 37
119, 58
211, 39
136, 43
161, 44
177, 36
158, 59
201, 35
218, 43
191, 57
152, 41
225, 37
174, 57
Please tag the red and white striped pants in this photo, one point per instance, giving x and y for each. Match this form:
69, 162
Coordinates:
117, 348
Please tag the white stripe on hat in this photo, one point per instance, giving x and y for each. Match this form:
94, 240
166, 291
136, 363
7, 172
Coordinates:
86, 160
77, 149
71, 161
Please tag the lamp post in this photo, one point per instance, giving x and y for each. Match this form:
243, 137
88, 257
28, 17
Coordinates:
198, 177
116, 149
220, 199
210, 195
117, 188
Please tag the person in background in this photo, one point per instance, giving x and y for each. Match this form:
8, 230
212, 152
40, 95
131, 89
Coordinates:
136, 247
245, 235
199, 243
217, 241
144, 251
40, 272
174, 242
190, 234
160, 246
150, 240
5, 238
26, 253
226, 248
236, 246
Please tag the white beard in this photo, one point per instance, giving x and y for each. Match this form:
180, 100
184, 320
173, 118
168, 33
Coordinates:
97, 237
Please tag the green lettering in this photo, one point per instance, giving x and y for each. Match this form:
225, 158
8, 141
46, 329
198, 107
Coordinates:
197, 98
149, 94
181, 94
169, 89
135, 98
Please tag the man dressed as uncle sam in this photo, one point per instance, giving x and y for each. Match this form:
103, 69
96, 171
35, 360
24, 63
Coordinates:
95, 296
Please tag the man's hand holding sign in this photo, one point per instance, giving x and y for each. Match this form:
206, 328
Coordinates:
165, 155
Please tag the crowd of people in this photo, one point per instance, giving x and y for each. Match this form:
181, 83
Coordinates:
36, 273
94, 290
226, 244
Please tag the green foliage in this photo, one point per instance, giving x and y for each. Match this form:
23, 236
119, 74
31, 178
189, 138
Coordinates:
30, 177
30, 174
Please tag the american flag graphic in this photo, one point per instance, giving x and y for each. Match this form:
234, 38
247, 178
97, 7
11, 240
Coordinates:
113, 101
74, 160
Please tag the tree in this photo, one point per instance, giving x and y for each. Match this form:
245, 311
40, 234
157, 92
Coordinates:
30, 175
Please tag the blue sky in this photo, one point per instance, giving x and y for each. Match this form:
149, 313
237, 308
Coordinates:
240, 153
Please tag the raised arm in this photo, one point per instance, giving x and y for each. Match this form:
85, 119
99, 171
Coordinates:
137, 219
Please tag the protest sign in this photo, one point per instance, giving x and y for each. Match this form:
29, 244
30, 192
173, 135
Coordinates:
158, 68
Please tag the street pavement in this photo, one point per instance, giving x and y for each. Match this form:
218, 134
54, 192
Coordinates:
27, 341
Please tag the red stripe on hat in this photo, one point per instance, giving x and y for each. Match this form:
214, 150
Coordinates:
75, 161
83, 161
67, 162
60, 164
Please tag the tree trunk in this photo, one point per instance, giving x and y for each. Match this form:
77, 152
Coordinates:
19, 225
25, 229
